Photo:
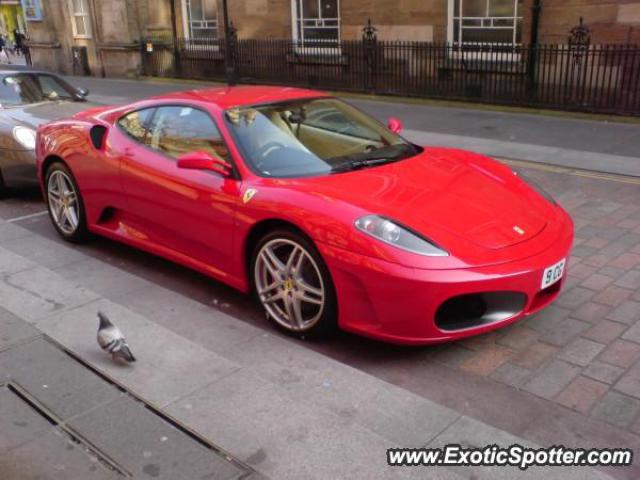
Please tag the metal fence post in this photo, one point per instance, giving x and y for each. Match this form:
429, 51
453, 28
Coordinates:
177, 60
177, 64
230, 40
532, 51
579, 44
369, 43
232, 55
143, 60
27, 55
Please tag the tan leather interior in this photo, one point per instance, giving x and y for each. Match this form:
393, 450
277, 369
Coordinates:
322, 142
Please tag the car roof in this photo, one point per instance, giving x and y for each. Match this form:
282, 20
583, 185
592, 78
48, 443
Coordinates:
227, 97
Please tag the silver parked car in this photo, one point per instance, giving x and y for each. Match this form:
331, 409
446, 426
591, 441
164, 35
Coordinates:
27, 99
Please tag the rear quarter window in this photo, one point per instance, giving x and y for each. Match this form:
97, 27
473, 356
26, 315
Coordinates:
135, 124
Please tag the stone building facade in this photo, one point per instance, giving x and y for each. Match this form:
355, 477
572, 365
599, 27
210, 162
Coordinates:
611, 21
110, 30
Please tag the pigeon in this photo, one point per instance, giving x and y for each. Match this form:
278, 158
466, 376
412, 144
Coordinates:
111, 340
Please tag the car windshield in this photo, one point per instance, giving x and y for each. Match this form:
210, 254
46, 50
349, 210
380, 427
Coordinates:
312, 137
25, 88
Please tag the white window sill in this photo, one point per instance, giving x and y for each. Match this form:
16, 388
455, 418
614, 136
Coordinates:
313, 50
473, 55
203, 46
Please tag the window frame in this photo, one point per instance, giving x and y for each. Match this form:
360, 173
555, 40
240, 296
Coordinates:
461, 44
235, 174
86, 19
297, 21
187, 21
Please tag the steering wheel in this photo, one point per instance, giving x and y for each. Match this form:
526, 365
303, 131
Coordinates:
265, 150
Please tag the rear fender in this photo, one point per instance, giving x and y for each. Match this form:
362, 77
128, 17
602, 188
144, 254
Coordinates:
82, 144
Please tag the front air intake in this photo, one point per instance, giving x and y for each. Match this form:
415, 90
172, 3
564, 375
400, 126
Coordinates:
477, 309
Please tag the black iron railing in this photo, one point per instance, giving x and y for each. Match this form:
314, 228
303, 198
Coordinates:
592, 78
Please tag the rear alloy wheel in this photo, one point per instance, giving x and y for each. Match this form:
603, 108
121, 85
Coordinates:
65, 204
293, 284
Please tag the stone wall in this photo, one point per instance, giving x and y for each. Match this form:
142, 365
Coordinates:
609, 21
396, 19
113, 49
119, 24
426, 20
260, 18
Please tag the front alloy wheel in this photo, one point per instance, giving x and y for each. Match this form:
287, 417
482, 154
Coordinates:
293, 284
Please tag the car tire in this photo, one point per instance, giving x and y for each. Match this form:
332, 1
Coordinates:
65, 204
293, 285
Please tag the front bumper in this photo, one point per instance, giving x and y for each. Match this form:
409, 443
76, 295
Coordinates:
18, 167
399, 304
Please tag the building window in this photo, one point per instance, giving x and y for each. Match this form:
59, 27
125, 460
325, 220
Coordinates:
316, 21
80, 18
201, 19
478, 22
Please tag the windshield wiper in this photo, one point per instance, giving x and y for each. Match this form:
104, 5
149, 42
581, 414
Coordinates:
369, 159
358, 164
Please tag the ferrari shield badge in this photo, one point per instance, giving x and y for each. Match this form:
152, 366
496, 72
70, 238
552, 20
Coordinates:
249, 194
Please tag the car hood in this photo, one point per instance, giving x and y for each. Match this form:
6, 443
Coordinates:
38, 113
445, 192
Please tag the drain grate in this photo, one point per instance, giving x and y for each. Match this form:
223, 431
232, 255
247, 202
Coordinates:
71, 435
204, 442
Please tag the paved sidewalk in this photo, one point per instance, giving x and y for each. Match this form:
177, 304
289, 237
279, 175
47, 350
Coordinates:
563, 157
59, 420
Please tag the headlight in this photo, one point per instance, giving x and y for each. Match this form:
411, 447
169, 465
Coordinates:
25, 136
536, 186
398, 236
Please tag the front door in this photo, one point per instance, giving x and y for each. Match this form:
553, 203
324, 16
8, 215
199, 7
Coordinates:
187, 211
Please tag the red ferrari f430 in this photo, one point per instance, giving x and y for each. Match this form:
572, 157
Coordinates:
331, 219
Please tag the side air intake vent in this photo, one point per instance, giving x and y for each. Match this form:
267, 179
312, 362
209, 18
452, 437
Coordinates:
97, 134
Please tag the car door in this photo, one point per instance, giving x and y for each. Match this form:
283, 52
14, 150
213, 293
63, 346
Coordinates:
187, 211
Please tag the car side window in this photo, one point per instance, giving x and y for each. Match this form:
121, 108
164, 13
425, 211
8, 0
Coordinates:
51, 88
134, 124
176, 130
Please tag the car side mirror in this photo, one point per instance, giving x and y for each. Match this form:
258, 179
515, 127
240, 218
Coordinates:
395, 125
82, 92
204, 161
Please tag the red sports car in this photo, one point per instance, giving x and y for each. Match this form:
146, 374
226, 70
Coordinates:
330, 218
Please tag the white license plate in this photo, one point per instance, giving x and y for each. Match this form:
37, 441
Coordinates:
553, 273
